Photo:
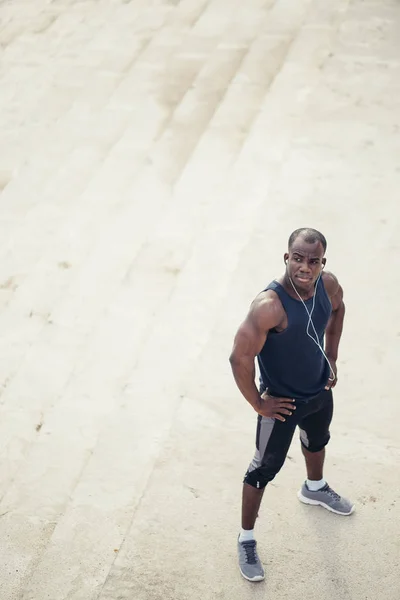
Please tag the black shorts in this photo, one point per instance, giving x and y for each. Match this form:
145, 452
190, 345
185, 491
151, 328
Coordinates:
274, 437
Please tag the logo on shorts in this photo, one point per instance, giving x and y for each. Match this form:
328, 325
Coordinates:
258, 484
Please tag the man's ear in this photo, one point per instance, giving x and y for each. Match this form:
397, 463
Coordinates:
286, 257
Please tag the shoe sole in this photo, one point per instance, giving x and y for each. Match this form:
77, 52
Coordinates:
255, 579
306, 500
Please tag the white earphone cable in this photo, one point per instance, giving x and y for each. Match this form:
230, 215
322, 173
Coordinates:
310, 321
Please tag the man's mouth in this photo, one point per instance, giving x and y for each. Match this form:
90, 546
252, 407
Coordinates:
303, 279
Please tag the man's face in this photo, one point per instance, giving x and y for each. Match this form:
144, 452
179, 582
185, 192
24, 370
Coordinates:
304, 263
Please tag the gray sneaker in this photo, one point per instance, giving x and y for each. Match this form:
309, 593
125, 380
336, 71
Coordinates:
249, 564
327, 498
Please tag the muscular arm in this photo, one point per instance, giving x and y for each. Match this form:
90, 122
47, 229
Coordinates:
264, 314
335, 325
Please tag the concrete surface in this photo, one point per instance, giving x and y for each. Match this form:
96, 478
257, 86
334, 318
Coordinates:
154, 158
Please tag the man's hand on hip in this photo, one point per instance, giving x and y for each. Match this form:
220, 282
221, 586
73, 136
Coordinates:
275, 408
332, 379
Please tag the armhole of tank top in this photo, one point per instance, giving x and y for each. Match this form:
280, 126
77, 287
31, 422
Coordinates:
326, 292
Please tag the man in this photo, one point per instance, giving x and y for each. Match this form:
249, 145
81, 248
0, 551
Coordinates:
285, 329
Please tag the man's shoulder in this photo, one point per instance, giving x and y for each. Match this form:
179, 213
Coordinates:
267, 306
331, 283
268, 297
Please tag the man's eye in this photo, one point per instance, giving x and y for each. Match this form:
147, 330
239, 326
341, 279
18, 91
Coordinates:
297, 259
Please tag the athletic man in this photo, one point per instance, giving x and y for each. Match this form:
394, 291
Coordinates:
285, 329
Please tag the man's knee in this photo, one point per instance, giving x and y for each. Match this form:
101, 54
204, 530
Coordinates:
260, 477
314, 444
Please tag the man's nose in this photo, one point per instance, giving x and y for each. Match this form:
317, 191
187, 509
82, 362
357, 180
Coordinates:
305, 267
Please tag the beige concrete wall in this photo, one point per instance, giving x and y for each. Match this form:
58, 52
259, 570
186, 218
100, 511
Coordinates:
155, 157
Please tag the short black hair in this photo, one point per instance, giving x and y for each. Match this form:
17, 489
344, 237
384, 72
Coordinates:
310, 236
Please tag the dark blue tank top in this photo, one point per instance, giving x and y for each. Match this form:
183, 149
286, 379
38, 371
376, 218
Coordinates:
291, 364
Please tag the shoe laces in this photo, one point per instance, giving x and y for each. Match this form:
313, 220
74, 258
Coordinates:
332, 493
251, 554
